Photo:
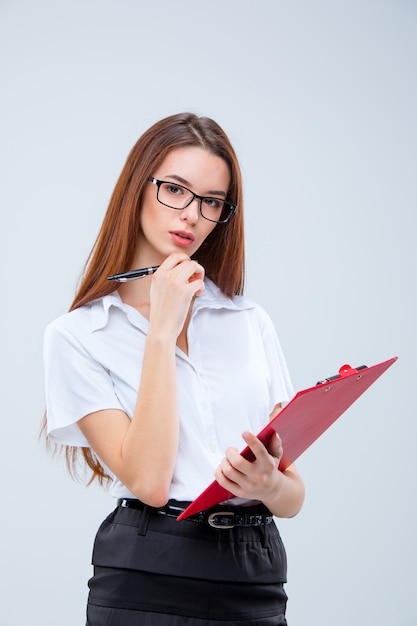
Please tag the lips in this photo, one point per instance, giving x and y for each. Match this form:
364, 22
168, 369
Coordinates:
182, 238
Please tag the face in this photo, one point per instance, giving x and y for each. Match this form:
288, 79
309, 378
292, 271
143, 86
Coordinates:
165, 230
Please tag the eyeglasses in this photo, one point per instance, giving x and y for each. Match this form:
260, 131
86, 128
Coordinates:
178, 197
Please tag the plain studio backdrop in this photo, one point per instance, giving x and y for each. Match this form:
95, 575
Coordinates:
319, 99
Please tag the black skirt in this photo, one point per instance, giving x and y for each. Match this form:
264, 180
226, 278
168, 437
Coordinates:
150, 570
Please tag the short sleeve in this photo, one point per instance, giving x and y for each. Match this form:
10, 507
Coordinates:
280, 385
75, 385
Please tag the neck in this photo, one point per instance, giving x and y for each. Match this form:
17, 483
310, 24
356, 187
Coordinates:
136, 293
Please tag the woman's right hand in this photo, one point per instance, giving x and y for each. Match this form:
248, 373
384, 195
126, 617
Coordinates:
174, 285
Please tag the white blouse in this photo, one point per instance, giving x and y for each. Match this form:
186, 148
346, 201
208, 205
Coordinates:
230, 381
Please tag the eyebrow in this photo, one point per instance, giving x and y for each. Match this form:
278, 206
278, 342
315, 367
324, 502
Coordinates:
181, 180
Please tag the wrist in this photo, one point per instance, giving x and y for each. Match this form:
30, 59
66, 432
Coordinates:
286, 499
160, 339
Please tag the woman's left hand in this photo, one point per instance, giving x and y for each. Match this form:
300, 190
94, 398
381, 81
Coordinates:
257, 480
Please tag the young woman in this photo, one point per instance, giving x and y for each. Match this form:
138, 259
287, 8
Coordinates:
154, 380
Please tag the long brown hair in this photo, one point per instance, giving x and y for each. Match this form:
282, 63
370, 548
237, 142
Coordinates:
222, 253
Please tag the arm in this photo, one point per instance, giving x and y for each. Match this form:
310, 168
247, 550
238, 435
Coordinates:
282, 492
127, 446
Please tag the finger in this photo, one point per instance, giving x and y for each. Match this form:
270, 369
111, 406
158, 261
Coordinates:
275, 446
190, 268
226, 471
197, 278
231, 471
257, 447
235, 465
231, 479
199, 271
177, 258
233, 458
263, 457
183, 267
173, 260
182, 270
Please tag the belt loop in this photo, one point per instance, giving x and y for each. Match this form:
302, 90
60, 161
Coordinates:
264, 540
144, 520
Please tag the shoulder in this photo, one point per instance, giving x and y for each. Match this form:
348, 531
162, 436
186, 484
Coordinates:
215, 301
71, 323
85, 319
66, 337
215, 298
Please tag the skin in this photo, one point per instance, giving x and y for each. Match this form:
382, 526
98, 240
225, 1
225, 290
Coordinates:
166, 299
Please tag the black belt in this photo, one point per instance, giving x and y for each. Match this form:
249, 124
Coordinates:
217, 517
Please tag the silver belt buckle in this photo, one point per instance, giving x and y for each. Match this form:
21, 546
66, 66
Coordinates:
212, 519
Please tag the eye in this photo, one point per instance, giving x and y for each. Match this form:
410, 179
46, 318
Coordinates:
214, 203
175, 190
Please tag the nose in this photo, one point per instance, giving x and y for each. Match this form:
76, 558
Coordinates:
191, 213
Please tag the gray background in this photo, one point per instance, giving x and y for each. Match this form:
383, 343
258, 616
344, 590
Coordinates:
319, 98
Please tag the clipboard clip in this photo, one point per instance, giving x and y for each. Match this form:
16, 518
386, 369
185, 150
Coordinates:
345, 370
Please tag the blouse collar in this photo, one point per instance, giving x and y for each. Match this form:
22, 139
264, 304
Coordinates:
211, 298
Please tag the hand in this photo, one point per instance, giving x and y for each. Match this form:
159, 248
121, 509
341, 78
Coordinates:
173, 287
257, 480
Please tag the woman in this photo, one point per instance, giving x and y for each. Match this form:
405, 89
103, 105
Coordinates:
155, 379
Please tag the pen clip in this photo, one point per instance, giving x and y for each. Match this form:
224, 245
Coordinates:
125, 277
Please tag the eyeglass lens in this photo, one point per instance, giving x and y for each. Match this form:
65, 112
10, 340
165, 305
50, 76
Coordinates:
178, 197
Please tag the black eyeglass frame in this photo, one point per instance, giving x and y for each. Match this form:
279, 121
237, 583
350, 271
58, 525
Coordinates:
158, 183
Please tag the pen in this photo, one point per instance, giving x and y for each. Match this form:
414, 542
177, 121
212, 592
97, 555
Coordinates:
124, 277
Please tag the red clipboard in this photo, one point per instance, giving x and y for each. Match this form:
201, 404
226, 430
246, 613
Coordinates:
307, 416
